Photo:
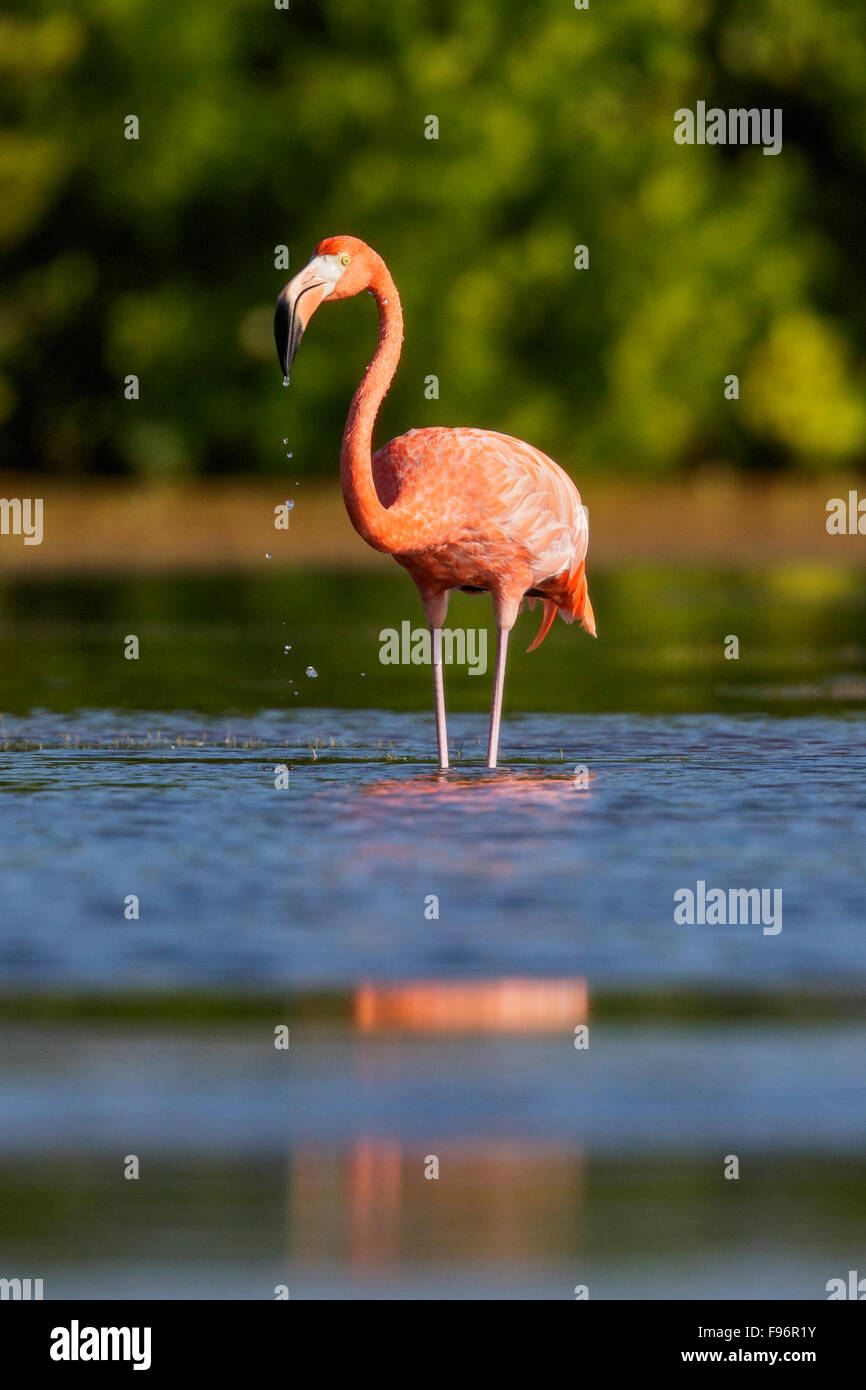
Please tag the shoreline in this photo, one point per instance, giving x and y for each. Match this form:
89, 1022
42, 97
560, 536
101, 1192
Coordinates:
228, 525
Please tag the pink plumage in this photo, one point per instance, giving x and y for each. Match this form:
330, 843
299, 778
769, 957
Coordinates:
457, 508
505, 519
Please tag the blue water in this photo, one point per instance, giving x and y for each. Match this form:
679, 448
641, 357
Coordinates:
305, 1166
325, 882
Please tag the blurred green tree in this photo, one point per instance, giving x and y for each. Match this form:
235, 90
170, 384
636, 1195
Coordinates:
261, 126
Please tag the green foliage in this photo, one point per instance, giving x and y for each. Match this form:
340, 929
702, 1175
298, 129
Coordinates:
261, 126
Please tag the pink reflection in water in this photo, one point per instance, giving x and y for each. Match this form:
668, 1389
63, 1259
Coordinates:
371, 1205
483, 1006
506, 790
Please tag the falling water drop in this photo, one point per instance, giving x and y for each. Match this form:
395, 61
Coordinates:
286, 440
285, 381
268, 555
311, 672
287, 649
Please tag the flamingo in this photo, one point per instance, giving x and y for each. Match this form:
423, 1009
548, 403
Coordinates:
458, 508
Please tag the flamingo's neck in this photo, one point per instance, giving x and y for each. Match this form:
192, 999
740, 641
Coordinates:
369, 518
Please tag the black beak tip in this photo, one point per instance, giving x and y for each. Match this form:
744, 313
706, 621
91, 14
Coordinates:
282, 325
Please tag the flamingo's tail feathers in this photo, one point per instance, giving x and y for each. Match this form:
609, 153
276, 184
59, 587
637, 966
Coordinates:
572, 601
550, 609
579, 605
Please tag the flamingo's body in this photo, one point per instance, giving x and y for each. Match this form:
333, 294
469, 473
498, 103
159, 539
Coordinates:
506, 519
458, 508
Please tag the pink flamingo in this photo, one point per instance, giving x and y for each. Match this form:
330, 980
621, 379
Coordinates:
458, 508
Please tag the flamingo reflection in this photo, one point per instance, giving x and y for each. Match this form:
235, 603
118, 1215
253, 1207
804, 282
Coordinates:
479, 1006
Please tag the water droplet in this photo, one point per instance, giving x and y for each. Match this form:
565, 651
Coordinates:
311, 672
269, 556
287, 649
286, 440
289, 505
285, 381
288, 456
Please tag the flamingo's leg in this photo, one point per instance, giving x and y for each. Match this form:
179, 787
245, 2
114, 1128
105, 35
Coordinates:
435, 609
498, 688
439, 698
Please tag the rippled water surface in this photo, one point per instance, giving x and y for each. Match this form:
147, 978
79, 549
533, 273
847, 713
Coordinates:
431, 942
537, 867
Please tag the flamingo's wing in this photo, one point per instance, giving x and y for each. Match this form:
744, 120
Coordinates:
478, 479
537, 505
489, 490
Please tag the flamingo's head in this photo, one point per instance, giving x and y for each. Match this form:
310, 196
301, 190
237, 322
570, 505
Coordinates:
341, 266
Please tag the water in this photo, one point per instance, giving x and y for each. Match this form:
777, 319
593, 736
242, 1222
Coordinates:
324, 881
431, 941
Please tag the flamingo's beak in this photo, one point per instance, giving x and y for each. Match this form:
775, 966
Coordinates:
296, 304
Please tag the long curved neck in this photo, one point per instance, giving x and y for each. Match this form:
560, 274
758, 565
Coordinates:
370, 519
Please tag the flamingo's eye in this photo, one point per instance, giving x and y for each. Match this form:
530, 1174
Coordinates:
344, 259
